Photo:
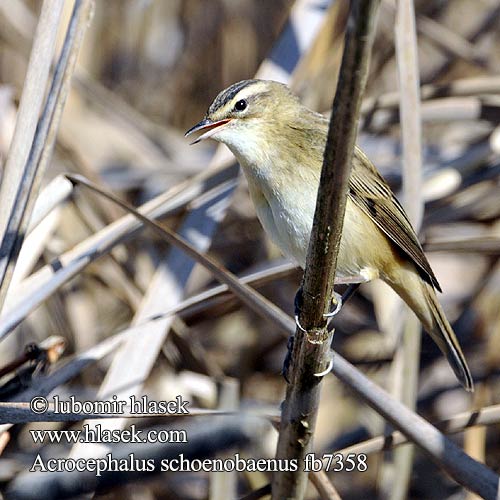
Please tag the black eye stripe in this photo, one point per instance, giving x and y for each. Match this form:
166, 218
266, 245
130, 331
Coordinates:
227, 95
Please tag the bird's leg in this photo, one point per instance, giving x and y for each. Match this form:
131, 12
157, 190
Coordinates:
288, 358
329, 366
337, 301
350, 291
297, 304
340, 300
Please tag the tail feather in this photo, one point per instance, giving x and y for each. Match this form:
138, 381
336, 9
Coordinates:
445, 338
421, 298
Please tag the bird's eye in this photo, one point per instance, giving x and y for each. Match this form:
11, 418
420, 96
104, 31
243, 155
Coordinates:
240, 105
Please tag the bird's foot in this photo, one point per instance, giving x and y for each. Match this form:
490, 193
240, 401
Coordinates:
297, 303
314, 335
288, 358
337, 302
329, 366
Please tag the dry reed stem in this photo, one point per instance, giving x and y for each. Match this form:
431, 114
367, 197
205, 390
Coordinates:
30, 177
11, 205
308, 358
396, 473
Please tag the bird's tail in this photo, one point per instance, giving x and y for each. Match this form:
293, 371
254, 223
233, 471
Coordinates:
421, 298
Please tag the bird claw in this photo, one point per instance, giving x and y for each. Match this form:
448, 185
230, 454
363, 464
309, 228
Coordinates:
297, 303
298, 325
288, 359
328, 369
338, 306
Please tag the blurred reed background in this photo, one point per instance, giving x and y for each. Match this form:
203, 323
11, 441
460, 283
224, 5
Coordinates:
147, 71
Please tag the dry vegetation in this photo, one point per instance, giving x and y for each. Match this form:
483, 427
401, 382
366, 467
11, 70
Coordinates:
114, 309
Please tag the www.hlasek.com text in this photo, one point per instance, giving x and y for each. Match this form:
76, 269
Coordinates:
99, 434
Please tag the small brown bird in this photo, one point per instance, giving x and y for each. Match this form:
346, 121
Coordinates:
279, 143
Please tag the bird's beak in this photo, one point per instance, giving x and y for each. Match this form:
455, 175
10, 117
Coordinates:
210, 126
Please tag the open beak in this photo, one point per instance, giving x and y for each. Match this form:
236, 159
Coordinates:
210, 126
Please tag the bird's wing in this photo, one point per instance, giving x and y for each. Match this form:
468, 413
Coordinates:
370, 192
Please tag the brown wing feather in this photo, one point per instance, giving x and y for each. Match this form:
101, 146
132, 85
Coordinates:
371, 193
